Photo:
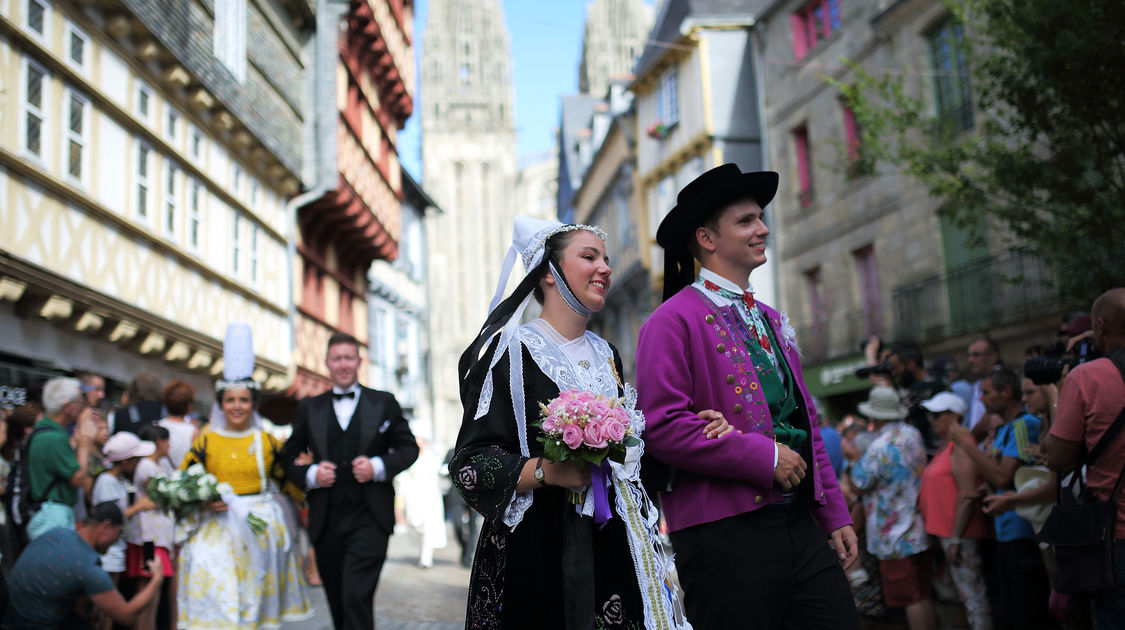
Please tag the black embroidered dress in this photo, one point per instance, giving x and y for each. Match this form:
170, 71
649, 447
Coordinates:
539, 564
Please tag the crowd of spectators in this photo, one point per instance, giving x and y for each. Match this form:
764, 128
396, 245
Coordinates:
951, 471
83, 545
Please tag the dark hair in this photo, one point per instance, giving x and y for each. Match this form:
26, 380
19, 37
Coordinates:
711, 223
19, 421
153, 432
177, 397
339, 338
906, 352
554, 248
144, 386
251, 385
1004, 378
104, 512
992, 345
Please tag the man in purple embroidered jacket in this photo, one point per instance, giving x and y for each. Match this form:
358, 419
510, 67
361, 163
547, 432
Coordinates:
757, 521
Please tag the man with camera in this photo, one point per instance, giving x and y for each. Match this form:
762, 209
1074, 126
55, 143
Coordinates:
1091, 399
905, 367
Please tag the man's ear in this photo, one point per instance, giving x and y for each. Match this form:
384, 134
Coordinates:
703, 239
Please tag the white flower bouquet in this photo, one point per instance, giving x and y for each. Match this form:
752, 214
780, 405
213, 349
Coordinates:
186, 492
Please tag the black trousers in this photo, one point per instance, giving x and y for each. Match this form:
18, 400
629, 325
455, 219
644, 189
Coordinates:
771, 568
349, 555
1022, 590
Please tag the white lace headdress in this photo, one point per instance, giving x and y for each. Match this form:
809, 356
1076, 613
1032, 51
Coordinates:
238, 371
529, 240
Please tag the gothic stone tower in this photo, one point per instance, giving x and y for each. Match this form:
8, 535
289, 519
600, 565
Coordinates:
616, 32
469, 163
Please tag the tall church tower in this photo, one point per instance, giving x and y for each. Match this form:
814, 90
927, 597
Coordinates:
470, 168
616, 33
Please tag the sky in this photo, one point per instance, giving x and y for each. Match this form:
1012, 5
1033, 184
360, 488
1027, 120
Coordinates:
546, 40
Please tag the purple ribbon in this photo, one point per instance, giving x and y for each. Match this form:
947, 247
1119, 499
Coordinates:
598, 476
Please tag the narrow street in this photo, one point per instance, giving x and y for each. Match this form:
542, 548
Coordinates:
409, 597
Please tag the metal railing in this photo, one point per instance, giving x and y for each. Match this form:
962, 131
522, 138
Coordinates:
985, 293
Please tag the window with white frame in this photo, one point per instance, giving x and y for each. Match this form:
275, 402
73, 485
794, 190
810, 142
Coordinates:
255, 196
234, 244
36, 15
230, 36
77, 108
171, 198
668, 99
171, 123
195, 214
143, 197
143, 102
254, 230
77, 46
236, 182
33, 119
196, 145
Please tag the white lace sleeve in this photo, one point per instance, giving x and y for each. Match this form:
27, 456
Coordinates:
513, 514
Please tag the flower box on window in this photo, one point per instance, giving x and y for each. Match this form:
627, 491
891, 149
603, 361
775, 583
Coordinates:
660, 130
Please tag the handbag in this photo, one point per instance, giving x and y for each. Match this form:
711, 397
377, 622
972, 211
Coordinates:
1080, 527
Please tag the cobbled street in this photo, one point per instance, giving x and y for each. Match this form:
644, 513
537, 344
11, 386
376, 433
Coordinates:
409, 597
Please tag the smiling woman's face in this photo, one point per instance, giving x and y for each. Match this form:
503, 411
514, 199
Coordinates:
586, 267
237, 405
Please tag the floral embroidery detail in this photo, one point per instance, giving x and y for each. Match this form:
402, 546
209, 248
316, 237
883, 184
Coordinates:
467, 477
613, 611
498, 540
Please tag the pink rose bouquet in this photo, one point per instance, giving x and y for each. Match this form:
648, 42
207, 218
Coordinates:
584, 427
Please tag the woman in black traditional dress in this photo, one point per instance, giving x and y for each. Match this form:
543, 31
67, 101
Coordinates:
542, 562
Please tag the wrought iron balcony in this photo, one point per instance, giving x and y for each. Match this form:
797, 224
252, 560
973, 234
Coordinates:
993, 291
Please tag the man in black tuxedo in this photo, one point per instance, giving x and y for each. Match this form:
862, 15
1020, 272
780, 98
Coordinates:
359, 441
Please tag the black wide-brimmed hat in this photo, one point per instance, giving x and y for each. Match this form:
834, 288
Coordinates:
697, 202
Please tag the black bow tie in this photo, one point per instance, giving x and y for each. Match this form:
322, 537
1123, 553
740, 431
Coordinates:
350, 394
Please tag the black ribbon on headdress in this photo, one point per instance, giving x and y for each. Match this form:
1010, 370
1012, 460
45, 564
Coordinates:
470, 366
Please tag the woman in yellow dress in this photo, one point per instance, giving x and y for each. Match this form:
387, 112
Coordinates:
231, 577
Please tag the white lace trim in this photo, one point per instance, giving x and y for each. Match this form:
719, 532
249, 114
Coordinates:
650, 562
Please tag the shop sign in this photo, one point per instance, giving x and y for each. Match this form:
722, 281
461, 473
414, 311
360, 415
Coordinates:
11, 396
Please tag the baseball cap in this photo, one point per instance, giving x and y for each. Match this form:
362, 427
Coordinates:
945, 401
125, 445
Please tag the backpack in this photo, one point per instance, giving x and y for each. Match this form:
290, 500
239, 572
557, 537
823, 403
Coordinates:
21, 504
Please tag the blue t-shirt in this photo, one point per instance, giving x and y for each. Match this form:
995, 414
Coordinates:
831, 439
1012, 440
54, 572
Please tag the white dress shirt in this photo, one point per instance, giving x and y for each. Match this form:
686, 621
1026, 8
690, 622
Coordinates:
344, 407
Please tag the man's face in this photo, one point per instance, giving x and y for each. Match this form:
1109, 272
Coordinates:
343, 364
897, 367
107, 534
740, 240
981, 358
994, 400
71, 410
94, 390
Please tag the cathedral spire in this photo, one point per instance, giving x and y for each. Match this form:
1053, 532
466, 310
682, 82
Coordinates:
466, 67
615, 35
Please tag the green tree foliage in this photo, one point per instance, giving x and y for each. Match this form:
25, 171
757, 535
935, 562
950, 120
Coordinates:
1046, 157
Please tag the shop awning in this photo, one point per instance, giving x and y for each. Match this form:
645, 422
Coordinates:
836, 377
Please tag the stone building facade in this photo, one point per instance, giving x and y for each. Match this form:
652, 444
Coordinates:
147, 155
697, 102
864, 249
352, 216
398, 351
470, 168
615, 34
